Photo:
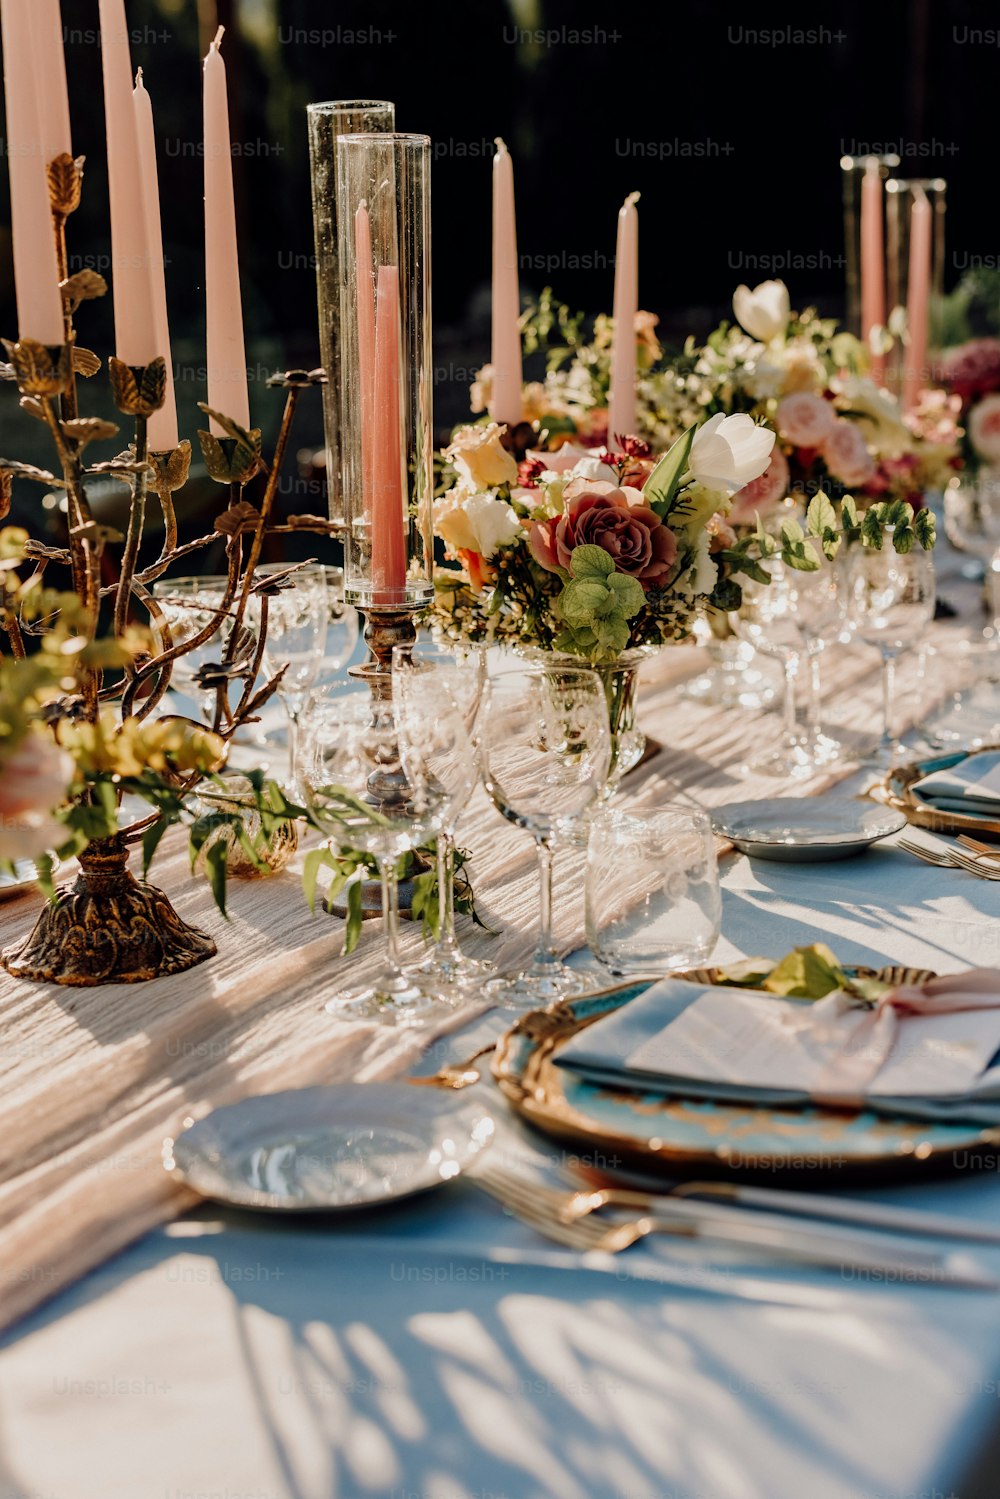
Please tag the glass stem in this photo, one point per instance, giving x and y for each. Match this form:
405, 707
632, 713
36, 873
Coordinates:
993, 572
888, 704
447, 944
293, 748
545, 954
390, 914
814, 700
791, 665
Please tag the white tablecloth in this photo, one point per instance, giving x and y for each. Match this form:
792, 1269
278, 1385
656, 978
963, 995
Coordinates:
441, 1351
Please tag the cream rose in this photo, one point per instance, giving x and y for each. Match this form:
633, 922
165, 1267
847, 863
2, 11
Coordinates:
481, 458
478, 522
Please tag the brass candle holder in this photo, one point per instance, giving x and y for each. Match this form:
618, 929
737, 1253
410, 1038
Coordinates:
109, 927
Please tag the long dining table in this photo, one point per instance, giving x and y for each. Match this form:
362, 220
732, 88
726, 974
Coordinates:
161, 1348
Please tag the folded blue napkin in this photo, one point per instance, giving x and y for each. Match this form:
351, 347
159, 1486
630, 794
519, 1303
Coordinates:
971, 786
745, 1046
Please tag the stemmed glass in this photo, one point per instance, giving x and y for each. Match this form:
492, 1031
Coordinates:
341, 629
383, 788
296, 639
545, 742
892, 603
972, 525
792, 619
459, 673
188, 605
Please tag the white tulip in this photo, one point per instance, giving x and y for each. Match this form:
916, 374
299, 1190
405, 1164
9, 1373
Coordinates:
729, 452
763, 312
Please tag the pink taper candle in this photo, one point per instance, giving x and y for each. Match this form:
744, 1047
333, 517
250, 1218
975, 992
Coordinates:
918, 291
39, 301
621, 401
50, 71
228, 390
136, 340
505, 405
163, 435
872, 264
388, 495
366, 345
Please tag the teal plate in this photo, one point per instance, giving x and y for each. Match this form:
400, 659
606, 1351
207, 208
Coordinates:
609, 1126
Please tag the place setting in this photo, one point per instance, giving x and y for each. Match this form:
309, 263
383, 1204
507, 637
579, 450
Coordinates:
499, 795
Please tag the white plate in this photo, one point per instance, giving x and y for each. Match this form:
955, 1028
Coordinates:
804, 829
352, 1145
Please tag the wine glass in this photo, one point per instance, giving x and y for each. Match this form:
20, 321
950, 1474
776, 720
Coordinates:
892, 603
341, 628
383, 788
297, 622
420, 674
188, 605
972, 525
545, 742
792, 618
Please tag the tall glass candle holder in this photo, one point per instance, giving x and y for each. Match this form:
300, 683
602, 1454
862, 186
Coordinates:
326, 122
902, 193
853, 169
383, 232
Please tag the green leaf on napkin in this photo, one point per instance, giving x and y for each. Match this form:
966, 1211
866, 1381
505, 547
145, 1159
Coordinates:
807, 973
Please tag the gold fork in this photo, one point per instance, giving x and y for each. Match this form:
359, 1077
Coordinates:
985, 850
949, 860
549, 1212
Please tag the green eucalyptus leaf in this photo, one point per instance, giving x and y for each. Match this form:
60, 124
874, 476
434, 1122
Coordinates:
355, 919
660, 489
215, 870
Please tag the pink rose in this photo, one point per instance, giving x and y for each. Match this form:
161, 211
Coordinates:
33, 781
762, 494
805, 419
846, 455
600, 514
984, 428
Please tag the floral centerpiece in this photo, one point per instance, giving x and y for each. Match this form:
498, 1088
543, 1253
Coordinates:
838, 430
605, 557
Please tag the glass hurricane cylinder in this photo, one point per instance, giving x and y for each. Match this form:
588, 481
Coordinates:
386, 374
901, 194
326, 122
853, 170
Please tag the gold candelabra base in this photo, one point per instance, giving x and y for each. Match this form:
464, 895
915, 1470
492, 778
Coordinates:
107, 928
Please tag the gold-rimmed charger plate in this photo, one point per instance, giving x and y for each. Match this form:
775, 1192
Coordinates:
897, 791
611, 1126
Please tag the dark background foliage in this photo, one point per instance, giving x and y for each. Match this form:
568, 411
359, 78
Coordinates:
729, 119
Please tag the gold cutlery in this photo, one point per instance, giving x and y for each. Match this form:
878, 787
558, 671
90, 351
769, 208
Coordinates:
797, 1206
459, 1075
549, 1212
952, 859
985, 850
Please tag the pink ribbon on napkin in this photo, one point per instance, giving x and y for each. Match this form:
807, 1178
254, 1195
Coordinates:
844, 1080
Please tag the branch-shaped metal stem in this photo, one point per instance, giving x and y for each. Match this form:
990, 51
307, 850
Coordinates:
136, 521
86, 578
266, 506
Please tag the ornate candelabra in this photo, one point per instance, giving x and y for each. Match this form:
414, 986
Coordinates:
109, 926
